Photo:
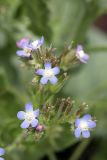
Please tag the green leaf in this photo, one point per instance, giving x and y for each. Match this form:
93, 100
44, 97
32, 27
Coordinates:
73, 19
38, 14
102, 5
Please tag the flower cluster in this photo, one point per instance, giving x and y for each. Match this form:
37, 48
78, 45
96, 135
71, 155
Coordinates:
2, 152
27, 47
50, 68
49, 75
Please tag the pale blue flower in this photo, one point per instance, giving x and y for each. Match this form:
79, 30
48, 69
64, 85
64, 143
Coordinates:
27, 47
2, 152
81, 55
37, 43
24, 44
83, 126
48, 73
29, 116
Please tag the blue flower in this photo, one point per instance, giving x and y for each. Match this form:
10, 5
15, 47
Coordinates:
28, 47
48, 73
2, 152
83, 125
37, 43
81, 55
24, 44
29, 117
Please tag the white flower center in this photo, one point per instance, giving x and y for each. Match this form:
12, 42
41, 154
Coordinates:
81, 53
83, 125
30, 116
48, 73
35, 44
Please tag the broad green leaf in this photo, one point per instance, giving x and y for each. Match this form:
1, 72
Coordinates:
38, 14
72, 20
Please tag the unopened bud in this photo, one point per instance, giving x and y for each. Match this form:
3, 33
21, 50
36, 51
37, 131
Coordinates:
40, 128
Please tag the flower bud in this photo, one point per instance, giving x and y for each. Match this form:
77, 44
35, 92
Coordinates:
39, 128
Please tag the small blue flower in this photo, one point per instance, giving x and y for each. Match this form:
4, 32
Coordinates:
29, 117
37, 43
81, 55
24, 44
2, 152
83, 125
28, 47
48, 73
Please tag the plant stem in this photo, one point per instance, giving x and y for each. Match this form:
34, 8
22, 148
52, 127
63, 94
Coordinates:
51, 156
80, 149
17, 141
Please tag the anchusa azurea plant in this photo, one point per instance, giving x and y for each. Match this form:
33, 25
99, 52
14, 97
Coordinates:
46, 111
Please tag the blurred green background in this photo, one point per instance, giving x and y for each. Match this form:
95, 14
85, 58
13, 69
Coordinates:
60, 22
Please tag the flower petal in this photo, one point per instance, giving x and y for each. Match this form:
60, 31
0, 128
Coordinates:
84, 58
77, 122
42, 40
53, 80
56, 70
29, 107
2, 151
77, 132
79, 48
22, 43
37, 43
47, 65
44, 80
40, 71
36, 112
22, 53
21, 115
25, 124
34, 123
86, 117
91, 124
86, 134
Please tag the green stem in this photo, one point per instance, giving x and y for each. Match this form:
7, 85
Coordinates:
17, 141
51, 156
80, 149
